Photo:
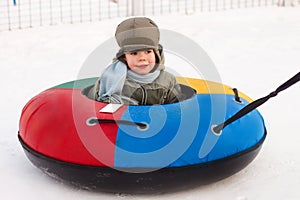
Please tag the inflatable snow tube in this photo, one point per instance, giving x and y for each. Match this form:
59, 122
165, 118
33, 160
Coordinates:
139, 149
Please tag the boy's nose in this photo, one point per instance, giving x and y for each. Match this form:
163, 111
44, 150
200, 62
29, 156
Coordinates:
142, 55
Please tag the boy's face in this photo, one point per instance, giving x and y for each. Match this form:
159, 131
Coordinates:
141, 62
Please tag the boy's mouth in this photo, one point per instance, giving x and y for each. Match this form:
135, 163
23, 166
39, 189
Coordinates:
143, 66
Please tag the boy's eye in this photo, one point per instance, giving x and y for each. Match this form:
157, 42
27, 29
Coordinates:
133, 53
149, 51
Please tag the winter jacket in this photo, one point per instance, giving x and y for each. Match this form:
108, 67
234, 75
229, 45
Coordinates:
163, 90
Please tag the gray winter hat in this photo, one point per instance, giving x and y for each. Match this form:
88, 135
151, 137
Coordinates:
137, 33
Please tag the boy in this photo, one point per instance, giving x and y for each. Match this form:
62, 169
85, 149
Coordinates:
137, 76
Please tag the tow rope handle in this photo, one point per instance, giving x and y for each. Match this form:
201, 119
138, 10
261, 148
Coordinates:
94, 120
253, 105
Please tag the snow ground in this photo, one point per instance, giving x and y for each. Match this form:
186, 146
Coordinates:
254, 50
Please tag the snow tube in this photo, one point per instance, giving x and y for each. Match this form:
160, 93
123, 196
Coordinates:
140, 149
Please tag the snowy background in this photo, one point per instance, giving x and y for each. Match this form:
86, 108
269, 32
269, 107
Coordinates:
253, 49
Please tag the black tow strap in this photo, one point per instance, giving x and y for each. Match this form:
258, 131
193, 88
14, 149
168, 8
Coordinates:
253, 105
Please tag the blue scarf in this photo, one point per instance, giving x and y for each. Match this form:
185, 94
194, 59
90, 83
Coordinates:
113, 79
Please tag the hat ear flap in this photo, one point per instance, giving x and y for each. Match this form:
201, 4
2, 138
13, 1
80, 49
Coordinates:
161, 54
159, 59
122, 59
